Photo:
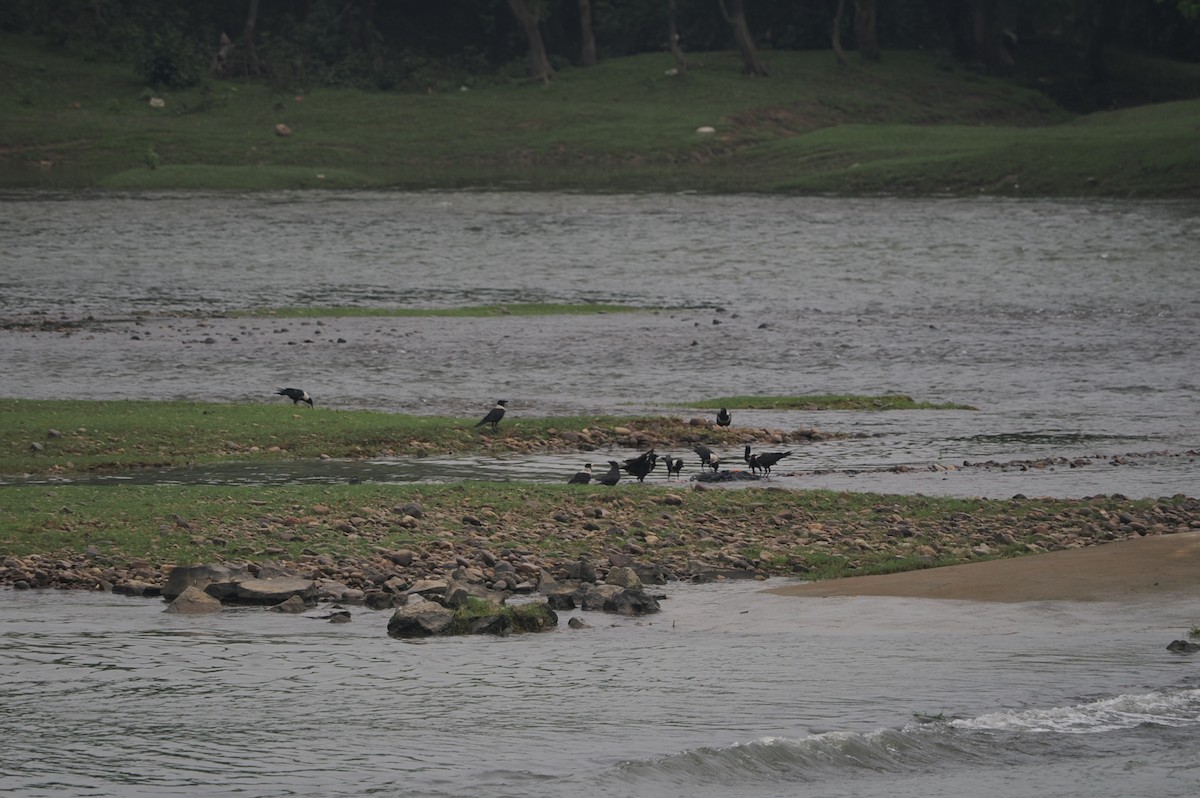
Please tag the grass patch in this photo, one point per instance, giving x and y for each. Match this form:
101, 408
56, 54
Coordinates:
816, 534
477, 311
825, 402
912, 124
64, 436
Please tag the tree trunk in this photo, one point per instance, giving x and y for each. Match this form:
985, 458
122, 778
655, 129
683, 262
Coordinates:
527, 16
252, 65
864, 29
587, 47
837, 32
986, 36
736, 17
681, 64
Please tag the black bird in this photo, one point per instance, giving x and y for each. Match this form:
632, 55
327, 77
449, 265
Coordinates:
707, 457
674, 465
613, 476
641, 465
296, 395
764, 460
582, 477
723, 417
494, 415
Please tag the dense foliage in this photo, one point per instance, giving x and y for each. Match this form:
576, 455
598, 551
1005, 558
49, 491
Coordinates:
413, 45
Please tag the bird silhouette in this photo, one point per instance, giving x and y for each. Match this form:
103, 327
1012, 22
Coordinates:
494, 415
296, 395
641, 465
723, 417
613, 476
707, 456
582, 477
674, 465
764, 460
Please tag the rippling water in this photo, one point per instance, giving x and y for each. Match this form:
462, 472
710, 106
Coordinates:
728, 691
1071, 326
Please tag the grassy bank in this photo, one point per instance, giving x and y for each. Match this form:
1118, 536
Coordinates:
63, 436
914, 124
360, 528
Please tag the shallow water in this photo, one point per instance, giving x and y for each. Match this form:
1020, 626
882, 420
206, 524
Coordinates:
1069, 325
728, 690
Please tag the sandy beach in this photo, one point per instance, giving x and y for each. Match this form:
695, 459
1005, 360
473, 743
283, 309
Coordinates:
1118, 571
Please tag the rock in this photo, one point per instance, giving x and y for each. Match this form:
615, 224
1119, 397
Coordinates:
578, 623
582, 570
624, 577
419, 618
193, 601
219, 581
294, 605
276, 590
1183, 646
282, 130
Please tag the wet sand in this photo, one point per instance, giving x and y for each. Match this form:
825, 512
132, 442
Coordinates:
1124, 570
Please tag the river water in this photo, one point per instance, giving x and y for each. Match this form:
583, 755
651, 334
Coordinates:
1071, 326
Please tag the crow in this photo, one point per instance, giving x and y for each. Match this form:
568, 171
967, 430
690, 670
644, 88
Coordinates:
764, 460
582, 477
296, 395
674, 465
723, 417
641, 465
613, 476
706, 455
494, 415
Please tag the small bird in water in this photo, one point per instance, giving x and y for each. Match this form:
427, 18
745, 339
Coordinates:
582, 477
674, 465
707, 456
613, 476
723, 417
641, 465
764, 460
296, 395
494, 415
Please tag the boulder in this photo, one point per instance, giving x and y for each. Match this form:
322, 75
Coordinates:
624, 577
1183, 647
419, 618
294, 605
277, 590
219, 581
193, 601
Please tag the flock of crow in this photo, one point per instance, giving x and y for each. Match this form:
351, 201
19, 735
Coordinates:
639, 467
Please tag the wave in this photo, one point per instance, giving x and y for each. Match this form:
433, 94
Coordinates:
993, 740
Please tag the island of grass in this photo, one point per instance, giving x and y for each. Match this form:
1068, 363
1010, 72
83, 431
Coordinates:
71, 436
826, 402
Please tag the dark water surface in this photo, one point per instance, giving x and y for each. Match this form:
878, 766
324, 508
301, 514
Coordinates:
1070, 325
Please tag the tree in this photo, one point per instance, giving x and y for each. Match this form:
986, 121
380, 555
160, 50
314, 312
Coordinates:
736, 17
587, 47
252, 65
528, 17
864, 29
837, 32
681, 64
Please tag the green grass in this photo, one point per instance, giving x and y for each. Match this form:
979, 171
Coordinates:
817, 534
825, 402
116, 435
911, 124
478, 311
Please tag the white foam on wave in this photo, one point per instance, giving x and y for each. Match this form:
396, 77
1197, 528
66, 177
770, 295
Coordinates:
1161, 707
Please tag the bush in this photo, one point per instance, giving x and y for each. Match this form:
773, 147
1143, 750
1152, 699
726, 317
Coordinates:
166, 59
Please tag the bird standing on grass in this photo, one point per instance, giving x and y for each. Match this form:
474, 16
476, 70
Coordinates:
582, 477
613, 476
764, 460
494, 415
723, 417
296, 395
